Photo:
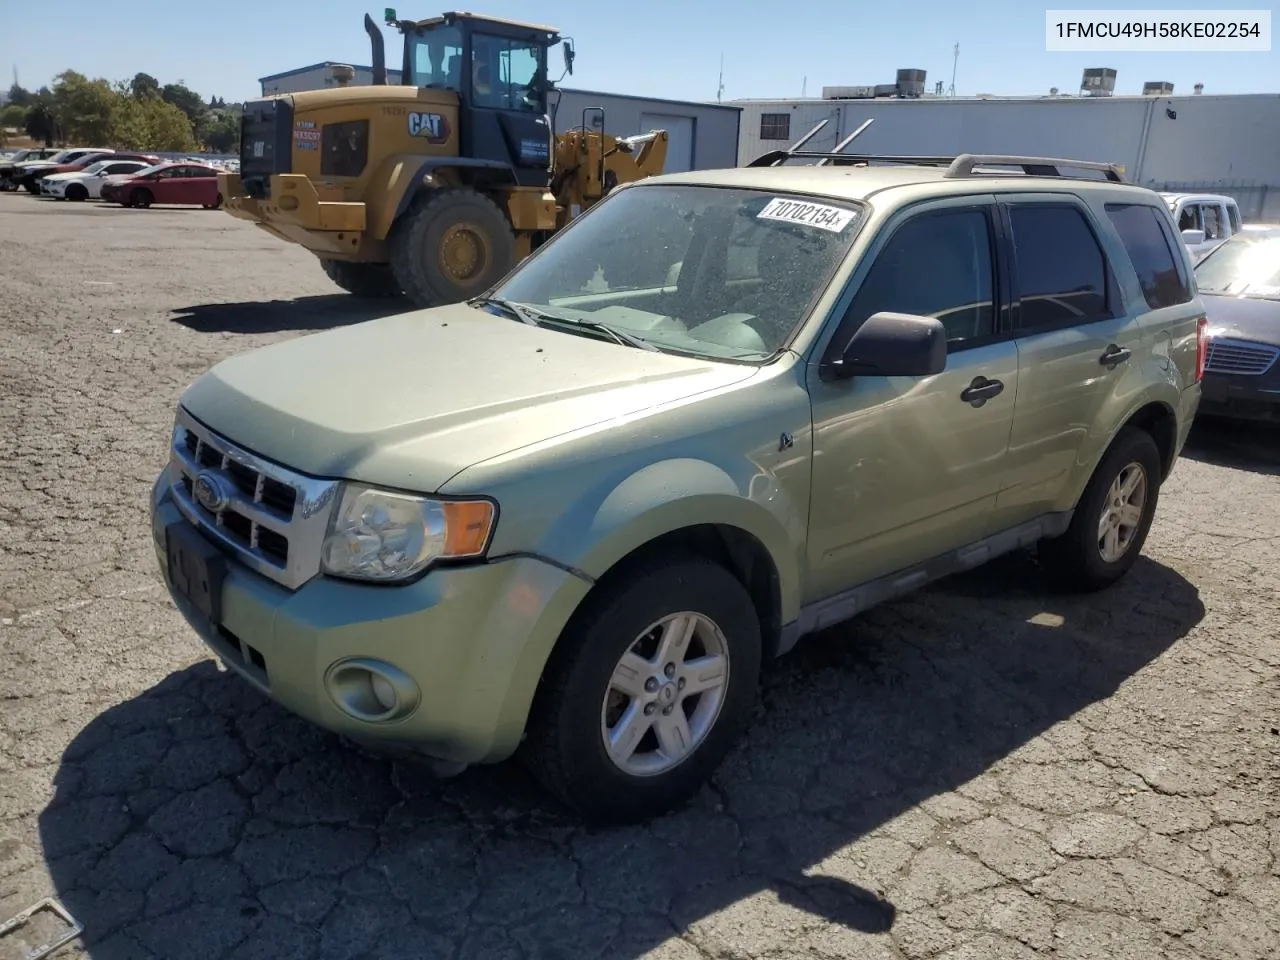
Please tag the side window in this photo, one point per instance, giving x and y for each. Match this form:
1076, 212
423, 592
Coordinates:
1189, 219
1234, 213
935, 265
120, 168
1212, 214
1163, 283
1060, 272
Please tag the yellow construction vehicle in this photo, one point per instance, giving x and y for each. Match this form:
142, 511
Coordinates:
439, 185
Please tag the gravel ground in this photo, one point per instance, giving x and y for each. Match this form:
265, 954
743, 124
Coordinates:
989, 771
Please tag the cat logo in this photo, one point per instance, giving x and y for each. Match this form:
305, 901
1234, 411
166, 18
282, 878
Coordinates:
432, 127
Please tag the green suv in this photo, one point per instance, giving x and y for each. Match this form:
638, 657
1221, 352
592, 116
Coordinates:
573, 519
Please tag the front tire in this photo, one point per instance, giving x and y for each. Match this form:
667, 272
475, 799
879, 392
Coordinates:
648, 689
374, 280
452, 245
1112, 519
140, 197
77, 191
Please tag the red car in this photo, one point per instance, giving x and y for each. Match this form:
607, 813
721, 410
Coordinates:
181, 183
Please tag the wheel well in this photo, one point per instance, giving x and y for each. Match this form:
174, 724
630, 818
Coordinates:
733, 548
1159, 421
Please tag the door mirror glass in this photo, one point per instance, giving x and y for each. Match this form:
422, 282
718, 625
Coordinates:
1192, 237
894, 345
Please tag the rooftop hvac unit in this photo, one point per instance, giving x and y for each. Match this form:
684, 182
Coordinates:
1098, 81
1157, 88
910, 83
861, 92
886, 90
1199, 88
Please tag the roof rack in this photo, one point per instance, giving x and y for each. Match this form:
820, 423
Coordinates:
964, 164
958, 167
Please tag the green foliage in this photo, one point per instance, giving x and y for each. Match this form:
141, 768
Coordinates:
137, 114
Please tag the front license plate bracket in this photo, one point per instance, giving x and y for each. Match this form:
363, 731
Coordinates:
196, 568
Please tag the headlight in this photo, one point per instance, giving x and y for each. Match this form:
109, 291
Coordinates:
384, 536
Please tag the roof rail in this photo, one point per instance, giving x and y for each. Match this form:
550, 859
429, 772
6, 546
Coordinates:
849, 159
964, 164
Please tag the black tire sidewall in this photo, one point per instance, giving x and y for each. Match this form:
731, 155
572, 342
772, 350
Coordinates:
416, 239
1076, 554
589, 780
140, 197
77, 192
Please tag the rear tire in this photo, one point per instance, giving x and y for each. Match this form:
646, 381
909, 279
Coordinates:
1110, 525
580, 703
362, 279
452, 245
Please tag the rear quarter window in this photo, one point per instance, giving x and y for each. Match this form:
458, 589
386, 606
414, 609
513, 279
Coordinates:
1148, 242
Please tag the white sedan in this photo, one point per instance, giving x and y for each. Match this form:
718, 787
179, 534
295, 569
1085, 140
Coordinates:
86, 183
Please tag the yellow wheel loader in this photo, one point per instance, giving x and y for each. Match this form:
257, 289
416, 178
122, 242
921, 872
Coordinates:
438, 186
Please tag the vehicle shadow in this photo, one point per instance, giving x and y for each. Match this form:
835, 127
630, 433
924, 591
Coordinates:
1231, 443
322, 312
200, 820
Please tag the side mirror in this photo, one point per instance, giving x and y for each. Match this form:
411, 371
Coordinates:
568, 55
1192, 237
893, 345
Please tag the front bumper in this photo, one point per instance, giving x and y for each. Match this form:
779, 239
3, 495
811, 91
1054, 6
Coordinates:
472, 642
1236, 397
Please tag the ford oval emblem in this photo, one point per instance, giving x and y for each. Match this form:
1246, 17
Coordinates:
209, 493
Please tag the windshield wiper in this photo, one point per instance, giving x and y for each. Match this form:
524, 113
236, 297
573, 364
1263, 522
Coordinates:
535, 318
626, 339
521, 312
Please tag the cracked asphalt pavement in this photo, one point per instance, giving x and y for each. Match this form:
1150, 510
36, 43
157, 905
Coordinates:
983, 771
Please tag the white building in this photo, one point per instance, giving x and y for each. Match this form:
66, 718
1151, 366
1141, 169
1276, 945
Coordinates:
1211, 143
699, 135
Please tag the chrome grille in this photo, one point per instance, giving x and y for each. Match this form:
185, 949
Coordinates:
1240, 357
271, 518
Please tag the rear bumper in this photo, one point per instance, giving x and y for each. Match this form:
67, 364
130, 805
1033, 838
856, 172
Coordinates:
295, 211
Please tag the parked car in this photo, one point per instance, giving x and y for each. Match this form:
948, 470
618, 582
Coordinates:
586, 556
141, 160
29, 174
1240, 285
9, 168
86, 184
177, 183
1204, 219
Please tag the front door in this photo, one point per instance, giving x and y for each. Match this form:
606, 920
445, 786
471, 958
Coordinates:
908, 468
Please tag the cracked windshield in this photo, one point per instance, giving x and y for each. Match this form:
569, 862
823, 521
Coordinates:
717, 272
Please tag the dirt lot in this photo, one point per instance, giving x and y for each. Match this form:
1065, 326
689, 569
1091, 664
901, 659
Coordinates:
985, 771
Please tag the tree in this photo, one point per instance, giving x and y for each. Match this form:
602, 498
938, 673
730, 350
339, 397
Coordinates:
188, 101
20, 96
144, 86
42, 119
85, 108
223, 133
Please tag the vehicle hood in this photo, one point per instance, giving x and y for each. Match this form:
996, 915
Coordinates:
69, 175
410, 400
1243, 318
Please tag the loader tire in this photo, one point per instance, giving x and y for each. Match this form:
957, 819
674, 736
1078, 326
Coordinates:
362, 279
450, 246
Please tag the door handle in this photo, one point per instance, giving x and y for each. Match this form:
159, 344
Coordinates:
981, 390
1114, 355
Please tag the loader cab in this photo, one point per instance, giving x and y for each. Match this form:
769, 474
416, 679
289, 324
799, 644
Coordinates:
499, 70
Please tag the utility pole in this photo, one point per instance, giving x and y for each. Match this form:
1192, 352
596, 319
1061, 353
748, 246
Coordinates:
720, 88
955, 62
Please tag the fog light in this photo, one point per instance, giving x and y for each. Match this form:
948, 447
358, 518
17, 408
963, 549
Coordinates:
372, 691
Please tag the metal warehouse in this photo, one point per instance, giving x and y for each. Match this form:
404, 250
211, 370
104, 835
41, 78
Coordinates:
701, 135
1222, 143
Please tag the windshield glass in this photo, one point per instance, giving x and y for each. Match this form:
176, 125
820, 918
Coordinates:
59, 157
435, 58
1247, 265
702, 270
96, 167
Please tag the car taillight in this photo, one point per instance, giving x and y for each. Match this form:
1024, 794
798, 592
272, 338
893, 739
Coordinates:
1202, 346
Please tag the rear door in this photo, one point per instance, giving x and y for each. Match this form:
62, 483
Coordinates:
1079, 348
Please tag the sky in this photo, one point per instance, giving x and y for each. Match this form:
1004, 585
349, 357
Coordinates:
662, 48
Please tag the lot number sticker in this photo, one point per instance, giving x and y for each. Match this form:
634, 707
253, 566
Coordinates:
810, 214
